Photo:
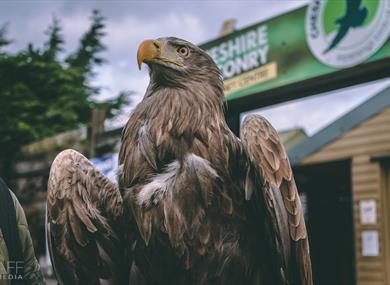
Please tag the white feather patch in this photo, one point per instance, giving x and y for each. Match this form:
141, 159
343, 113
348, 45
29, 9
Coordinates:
160, 184
200, 163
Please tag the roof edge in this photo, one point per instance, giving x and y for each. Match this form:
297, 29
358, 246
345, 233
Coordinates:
359, 114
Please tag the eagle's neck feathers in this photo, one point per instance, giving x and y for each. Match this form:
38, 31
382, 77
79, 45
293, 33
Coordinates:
170, 123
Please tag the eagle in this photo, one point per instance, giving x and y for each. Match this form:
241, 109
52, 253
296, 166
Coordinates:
193, 203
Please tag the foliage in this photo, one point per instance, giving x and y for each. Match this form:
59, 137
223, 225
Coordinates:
3, 33
41, 95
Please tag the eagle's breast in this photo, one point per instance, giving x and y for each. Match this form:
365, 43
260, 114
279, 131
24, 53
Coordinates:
183, 201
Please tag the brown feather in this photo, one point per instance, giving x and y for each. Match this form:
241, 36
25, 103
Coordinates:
266, 152
76, 226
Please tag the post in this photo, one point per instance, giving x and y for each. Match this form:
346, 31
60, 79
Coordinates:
96, 128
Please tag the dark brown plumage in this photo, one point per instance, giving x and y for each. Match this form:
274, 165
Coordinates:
195, 204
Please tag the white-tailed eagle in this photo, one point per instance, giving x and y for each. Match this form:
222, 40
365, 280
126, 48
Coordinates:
194, 203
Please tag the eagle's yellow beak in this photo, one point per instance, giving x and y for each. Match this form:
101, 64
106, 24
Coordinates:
156, 51
148, 50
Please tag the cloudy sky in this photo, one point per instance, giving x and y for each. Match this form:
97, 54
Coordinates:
129, 22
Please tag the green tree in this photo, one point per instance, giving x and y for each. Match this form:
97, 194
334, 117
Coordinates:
87, 55
41, 95
3, 36
54, 44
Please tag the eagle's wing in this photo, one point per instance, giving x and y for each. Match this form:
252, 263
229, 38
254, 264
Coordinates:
271, 174
84, 220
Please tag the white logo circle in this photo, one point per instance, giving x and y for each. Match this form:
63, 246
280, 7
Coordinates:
358, 33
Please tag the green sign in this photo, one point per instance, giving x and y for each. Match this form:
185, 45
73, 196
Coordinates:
312, 41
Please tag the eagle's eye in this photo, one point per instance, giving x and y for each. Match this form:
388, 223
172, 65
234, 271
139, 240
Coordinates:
183, 51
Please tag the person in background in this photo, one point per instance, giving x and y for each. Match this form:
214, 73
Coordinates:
18, 264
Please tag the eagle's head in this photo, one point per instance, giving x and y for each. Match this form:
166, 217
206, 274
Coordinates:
178, 63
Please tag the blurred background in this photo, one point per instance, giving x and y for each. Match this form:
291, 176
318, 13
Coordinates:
69, 79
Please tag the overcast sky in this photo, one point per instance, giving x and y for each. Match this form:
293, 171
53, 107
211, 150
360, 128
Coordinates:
129, 22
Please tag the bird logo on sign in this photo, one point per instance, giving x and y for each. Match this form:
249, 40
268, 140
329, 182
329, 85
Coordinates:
345, 33
354, 17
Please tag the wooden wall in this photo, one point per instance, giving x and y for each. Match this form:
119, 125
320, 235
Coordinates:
368, 182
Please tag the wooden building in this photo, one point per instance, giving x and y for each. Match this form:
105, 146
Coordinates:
344, 171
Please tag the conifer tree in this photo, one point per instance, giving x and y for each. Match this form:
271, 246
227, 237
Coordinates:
41, 95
